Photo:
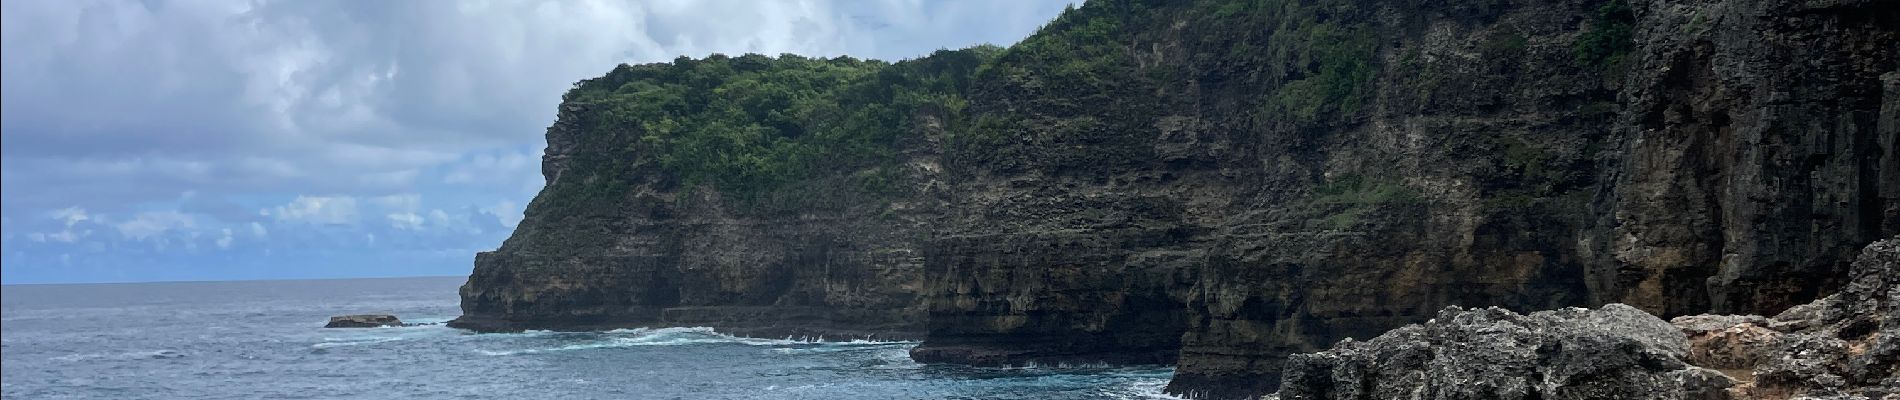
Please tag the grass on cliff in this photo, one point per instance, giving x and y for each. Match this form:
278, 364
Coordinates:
1609, 37
753, 125
1345, 200
1321, 54
1082, 91
1072, 94
1097, 77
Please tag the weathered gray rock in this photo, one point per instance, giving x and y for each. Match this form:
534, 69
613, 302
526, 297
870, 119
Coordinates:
1613, 352
1841, 346
363, 321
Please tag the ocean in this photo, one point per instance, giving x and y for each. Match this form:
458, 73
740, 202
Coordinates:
265, 339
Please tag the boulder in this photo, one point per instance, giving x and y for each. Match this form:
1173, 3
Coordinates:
363, 321
1613, 352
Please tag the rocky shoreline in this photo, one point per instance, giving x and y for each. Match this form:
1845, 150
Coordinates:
1844, 346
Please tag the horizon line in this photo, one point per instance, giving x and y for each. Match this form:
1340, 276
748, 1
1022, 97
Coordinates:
228, 280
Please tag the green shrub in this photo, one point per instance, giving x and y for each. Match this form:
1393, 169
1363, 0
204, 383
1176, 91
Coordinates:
1609, 37
1345, 200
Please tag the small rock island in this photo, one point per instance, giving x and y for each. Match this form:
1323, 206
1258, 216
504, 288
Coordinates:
363, 321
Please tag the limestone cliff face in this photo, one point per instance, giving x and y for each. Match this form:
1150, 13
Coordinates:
1219, 184
659, 252
1292, 173
1757, 152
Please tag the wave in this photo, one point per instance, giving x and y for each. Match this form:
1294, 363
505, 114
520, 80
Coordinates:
680, 336
330, 342
841, 347
1150, 389
135, 355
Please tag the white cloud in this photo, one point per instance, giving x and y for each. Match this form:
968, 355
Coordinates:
147, 225
65, 236
409, 221
319, 210
506, 212
398, 202
116, 107
71, 215
224, 242
503, 169
438, 217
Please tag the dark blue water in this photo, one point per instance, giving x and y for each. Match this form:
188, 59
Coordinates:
244, 340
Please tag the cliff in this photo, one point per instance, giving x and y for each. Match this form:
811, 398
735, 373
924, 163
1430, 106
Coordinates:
1218, 184
766, 196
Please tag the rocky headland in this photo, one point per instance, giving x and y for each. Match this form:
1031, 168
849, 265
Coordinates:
1221, 184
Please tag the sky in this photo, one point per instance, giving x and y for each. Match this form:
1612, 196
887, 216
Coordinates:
218, 140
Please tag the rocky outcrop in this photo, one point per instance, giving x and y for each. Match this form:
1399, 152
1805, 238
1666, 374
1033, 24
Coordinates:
363, 321
1222, 183
1841, 346
1613, 352
1846, 345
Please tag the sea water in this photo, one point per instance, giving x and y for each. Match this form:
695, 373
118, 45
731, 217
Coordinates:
265, 339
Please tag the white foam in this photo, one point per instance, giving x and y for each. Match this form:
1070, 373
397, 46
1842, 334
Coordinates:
330, 342
680, 336
136, 355
1147, 389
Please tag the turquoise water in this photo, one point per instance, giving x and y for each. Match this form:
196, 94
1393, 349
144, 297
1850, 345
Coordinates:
243, 340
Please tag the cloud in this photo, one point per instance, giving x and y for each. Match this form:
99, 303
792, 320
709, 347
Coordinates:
507, 213
65, 236
147, 225
501, 169
218, 208
192, 116
320, 210
71, 215
409, 221
398, 202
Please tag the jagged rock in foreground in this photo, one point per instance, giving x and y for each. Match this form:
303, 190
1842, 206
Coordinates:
1844, 346
1613, 352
